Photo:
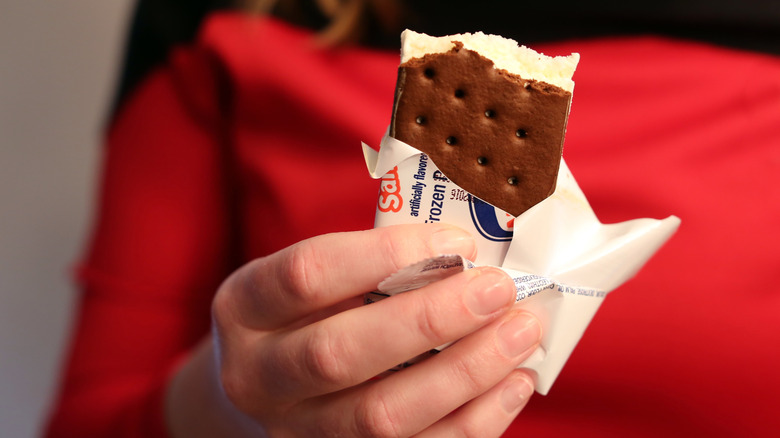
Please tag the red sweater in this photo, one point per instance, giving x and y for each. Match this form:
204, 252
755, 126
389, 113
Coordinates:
250, 141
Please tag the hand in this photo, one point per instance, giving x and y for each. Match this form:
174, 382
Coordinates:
298, 351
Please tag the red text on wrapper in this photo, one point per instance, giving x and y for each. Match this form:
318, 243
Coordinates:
390, 192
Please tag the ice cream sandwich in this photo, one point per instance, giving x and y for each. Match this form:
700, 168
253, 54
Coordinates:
489, 113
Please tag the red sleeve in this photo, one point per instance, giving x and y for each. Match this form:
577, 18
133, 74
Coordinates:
158, 253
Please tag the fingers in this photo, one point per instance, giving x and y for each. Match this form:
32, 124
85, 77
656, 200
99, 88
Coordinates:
488, 415
314, 274
295, 351
415, 398
356, 345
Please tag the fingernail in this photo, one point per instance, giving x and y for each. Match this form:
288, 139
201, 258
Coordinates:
516, 394
453, 241
519, 334
489, 291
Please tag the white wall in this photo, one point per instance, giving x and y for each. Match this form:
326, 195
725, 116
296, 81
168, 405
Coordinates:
57, 69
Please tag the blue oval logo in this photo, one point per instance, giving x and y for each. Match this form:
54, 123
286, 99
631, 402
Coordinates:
487, 221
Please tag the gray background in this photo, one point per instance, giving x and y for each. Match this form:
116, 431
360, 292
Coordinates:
58, 61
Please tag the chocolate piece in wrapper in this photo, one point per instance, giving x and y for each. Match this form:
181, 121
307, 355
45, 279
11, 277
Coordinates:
495, 134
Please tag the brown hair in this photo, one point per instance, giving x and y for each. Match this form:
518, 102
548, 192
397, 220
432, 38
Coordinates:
338, 21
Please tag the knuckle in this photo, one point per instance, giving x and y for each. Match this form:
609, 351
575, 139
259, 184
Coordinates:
471, 430
324, 427
296, 272
234, 388
390, 245
238, 292
430, 321
373, 418
324, 358
223, 308
467, 372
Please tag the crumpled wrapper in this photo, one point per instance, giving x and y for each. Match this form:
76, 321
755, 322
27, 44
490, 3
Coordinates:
563, 260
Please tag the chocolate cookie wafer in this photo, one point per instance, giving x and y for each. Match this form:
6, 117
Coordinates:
489, 113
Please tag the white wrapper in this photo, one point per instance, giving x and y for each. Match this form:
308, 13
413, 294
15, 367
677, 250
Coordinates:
564, 261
